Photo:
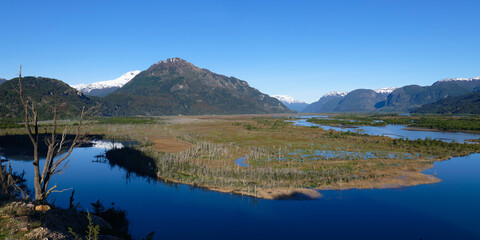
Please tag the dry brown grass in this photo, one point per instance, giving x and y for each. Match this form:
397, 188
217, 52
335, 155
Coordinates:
169, 144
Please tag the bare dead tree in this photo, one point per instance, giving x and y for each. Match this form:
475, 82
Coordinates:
9, 181
6, 179
55, 162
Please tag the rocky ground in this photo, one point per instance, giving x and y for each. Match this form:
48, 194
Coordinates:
21, 219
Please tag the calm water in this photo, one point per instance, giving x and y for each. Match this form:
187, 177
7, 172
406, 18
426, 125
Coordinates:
395, 131
446, 210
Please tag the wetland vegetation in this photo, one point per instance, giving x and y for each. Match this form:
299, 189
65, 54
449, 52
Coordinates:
282, 157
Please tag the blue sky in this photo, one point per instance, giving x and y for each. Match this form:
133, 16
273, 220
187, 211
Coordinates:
298, 48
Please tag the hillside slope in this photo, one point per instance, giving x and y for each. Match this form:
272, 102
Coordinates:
410, 97
468, 104
360, 100
45, 93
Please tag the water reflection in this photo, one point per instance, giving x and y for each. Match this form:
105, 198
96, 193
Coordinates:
446, 210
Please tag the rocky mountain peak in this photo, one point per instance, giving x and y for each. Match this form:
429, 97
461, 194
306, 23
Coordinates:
171, 62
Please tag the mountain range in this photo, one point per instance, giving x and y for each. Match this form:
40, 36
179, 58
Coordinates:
388, 99
169, 87
2, 80
403, 99
175, 86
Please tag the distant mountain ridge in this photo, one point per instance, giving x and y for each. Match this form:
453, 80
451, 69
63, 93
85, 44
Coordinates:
2, 80
104, 88
391, 99
175, 86
291, 103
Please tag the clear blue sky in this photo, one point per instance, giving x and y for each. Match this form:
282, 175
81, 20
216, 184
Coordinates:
298, 48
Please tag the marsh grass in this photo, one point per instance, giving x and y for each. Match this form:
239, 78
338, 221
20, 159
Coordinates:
280, 155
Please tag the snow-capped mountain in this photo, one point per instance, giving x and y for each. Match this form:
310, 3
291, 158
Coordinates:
459, 79
286, 99
291, 103
385, 90
104, 88
326, 103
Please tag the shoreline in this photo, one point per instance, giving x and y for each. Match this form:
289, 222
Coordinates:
404, 179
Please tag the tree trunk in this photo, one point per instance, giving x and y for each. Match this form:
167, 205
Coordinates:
52, 165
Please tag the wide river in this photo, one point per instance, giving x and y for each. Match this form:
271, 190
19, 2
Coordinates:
446, 210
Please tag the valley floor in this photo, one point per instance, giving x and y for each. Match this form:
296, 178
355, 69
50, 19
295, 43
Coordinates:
283, 160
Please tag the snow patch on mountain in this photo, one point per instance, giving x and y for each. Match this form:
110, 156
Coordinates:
286, 99
385, 90
341, 94
460, 79
117, 83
